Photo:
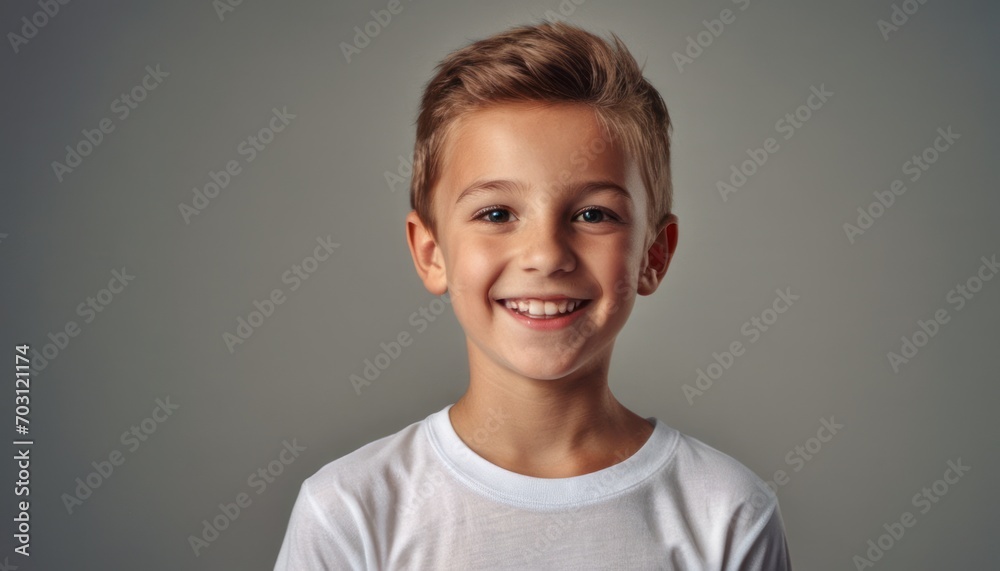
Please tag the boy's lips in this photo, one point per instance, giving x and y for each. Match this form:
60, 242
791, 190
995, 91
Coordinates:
543, 307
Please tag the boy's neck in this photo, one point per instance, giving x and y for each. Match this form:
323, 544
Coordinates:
547, 429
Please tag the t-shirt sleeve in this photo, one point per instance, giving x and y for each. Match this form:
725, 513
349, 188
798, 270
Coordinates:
765, 548
314, 542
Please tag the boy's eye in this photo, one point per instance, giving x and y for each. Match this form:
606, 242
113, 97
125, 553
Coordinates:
499, 215
595, 215
493, 214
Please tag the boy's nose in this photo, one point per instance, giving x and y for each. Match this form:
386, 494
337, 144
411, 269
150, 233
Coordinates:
546, 249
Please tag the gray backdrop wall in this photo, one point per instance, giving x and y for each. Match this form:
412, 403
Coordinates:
130, 287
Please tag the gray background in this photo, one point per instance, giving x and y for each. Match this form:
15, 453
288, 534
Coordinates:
324, 175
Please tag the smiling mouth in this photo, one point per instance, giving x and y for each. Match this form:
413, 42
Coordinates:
539, 309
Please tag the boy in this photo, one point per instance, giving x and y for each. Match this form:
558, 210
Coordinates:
541, 198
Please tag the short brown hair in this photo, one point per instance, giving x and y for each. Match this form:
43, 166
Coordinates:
550, 62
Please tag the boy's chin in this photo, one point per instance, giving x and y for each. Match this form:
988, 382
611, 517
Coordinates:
549, 363
543, 370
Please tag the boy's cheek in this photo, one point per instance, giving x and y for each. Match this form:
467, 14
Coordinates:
624, 287
461, 284
622, 306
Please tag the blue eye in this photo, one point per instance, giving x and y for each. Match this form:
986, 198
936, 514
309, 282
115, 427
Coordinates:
501, 215
493, 214
595, 215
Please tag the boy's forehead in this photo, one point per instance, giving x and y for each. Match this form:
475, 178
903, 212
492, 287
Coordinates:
535, 126
553, 145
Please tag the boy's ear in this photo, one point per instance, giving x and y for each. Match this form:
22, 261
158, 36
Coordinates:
658, 256
427, 257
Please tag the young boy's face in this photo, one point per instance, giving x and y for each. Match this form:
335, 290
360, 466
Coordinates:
536, 208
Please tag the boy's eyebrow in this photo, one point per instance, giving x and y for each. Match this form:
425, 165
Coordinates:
515, 186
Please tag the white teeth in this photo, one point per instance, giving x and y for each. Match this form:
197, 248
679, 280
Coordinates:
540, 308
536, 307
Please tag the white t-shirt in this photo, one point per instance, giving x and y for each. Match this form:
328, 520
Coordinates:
422, 499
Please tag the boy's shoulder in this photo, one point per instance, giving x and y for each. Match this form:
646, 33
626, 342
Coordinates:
720, 478
353, 473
